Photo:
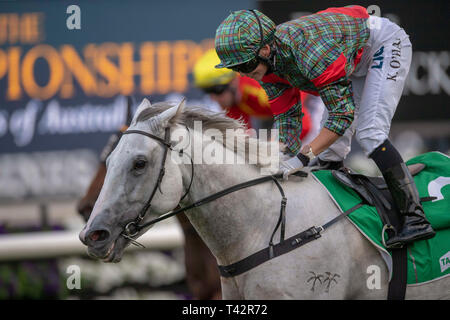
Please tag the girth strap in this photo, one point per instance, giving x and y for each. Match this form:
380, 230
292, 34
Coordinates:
285, 246
269, 253
397, 285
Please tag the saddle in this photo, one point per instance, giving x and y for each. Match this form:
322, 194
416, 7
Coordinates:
374, 192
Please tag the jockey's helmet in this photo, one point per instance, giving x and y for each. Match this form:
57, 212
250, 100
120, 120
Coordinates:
206, 76
241, 35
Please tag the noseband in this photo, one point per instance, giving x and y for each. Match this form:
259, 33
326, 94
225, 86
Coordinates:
132, 228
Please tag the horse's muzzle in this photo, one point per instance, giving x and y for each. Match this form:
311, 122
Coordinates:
96, 234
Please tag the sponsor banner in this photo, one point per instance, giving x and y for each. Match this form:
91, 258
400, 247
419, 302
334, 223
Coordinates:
64, 69
65, 72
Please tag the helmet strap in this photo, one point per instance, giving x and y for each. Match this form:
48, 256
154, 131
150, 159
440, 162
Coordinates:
269, 61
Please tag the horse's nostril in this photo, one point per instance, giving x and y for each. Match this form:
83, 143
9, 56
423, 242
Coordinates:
99, 235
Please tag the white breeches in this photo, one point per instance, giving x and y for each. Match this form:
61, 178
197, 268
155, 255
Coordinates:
378, 83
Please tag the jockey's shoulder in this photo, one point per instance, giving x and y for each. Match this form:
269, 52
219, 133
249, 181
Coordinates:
312, 24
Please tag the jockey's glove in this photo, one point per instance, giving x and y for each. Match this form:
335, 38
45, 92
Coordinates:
289, 165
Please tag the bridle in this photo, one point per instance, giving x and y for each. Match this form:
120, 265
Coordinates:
132, 228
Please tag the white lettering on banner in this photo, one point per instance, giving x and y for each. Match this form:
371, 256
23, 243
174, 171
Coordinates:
56, 119
82, 119
37, 118
22, 123
428, 74
435, 187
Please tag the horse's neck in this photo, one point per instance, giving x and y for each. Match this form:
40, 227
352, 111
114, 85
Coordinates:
236, 224
232, 223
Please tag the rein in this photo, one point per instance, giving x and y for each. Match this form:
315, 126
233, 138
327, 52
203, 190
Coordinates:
133, 228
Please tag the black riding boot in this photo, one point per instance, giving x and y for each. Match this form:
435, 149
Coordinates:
414, 225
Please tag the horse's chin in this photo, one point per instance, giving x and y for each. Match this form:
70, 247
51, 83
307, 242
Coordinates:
114, 252
111, 254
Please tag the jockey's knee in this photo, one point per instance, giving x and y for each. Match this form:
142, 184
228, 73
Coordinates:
369, 140
335, 153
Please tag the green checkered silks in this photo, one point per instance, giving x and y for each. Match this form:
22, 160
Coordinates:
238, 37
304, 49
288, 124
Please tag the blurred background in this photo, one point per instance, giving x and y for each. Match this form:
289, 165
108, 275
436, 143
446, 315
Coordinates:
64, 85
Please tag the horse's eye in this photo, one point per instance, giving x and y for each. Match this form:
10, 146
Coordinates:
139, 164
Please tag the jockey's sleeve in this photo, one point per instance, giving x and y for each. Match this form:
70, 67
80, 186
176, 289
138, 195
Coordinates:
289, 125
338, 99
324, 64
286, 106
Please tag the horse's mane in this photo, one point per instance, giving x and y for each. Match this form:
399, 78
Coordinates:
210, 119
219, 121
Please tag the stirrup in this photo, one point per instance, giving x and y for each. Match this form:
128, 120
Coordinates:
397, 245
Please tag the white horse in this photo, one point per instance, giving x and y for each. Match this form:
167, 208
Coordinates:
335, 266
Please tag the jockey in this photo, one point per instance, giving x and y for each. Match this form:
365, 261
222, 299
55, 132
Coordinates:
240, 97
357, 64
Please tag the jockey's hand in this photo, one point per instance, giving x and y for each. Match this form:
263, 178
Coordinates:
289, 165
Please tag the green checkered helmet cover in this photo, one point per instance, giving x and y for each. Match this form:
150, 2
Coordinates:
238, 37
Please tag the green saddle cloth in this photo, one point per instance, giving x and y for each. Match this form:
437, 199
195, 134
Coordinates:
427, 259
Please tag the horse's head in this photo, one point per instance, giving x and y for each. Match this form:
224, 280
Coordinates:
132, 179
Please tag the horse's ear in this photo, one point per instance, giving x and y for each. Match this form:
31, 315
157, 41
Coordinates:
179, 112
172, 115
144, 105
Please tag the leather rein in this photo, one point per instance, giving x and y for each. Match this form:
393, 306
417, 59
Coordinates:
273, 250
134, 227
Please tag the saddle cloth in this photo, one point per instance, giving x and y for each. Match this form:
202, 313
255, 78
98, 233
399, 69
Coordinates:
428, 260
